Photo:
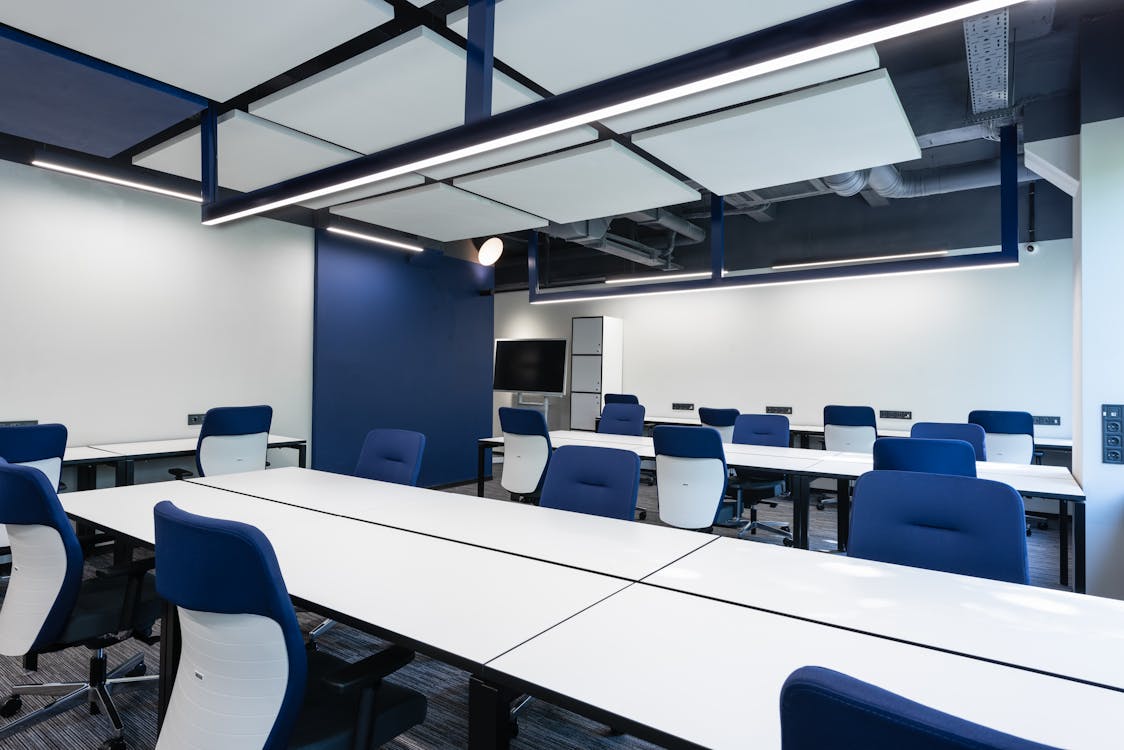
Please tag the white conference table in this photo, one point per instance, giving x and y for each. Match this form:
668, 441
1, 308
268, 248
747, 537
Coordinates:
460, 603
693, 672
804, 465
129, 453
601, 545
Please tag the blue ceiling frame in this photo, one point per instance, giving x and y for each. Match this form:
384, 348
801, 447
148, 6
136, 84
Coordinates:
850, 19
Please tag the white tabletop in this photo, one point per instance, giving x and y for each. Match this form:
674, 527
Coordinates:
603, 545
1053, 631
463, 600
79, 453
711, 673
147, 448
1039, 440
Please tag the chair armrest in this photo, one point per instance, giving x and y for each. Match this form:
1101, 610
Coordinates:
369, 671
181, 473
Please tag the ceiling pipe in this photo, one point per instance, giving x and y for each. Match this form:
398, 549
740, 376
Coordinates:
888, 182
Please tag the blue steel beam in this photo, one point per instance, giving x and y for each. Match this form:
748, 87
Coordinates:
717, 236
1009, 190
479, 59
209, 153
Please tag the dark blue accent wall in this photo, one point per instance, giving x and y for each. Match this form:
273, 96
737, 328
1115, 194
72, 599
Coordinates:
400, 340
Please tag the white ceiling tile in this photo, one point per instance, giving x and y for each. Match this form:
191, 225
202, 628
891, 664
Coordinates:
543, 145
854, 123
367, 191
215, 48
602, 179
253, 153
410, 87
441, 213
565, 45
790, 79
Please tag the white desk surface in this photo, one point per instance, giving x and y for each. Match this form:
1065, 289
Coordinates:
86, 453
1039, 440
603, 545
143, 448
640, 654
1058, 632
469, 602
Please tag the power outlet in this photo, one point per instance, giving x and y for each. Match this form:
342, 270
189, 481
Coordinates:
19, 423
885, 414
1112, 433
778, 410
682, 407
194, 420
1048, 421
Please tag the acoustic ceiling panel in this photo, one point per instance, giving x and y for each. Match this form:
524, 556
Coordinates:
854, 123
57, 100
216, 48
253, 153
410, 87
602, 179
537, 147
441, 213
565, 45
790, 79
367, 191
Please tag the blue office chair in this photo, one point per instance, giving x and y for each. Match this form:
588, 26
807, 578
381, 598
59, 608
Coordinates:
40, 446
390, 455
1009, 437
233, 439
49, 607
753, 488
526, 452
622, 419
823, 708
690, 475
941, 522
970, 433
597, 481
721, 420
851, 429
956, 457
245, 678
619, 398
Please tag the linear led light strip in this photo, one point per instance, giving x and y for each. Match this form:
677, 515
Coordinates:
958, 13
853, 261
373, 238
115, 180
661, 277
730, 288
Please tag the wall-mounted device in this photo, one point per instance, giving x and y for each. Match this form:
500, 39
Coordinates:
1112, 433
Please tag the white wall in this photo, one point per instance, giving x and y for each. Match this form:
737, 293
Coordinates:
122, 313
937, 344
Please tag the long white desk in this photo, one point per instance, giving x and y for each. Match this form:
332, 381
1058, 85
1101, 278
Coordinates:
602, 545
693, 672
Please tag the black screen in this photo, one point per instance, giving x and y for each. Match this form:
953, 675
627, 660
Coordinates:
531, 365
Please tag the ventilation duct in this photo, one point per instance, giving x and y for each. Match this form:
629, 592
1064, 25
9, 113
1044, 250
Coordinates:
890, 183
595, 234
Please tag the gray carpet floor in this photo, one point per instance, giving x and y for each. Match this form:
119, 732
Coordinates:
541, 725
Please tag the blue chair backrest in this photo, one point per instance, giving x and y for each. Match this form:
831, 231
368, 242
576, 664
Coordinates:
620, 398
622, 419
923, 454
1009, 435
721, 420
762, 429
242, 434
228, 572
42, 541
822, 708
1003, 422
523, 422
690, 475
391, 455
597, 481
956, 524
849, 416
40, 445
970, 433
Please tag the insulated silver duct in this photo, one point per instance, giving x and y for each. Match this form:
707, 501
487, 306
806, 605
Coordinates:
888, 182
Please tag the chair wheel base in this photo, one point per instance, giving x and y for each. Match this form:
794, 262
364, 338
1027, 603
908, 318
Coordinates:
117, 743
138, 671
11, 706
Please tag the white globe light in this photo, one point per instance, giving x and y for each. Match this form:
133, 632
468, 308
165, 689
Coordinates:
490, 251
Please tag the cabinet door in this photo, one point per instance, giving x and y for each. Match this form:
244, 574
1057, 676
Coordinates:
585, 408
586, 375
588, 335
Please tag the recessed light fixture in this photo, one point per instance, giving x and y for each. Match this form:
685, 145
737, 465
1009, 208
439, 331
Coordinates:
819, 52
114, 180
377, 240
854, 261
490, 251
659, 277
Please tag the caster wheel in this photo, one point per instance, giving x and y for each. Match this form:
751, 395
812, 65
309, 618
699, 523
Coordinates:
116, 743
11, 706
787, 542
643, 514
1029, 532
819, 506
138, 671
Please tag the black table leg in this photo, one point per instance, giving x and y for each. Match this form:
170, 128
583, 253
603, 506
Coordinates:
843, 513
489, 715
1079, 547
800, 512
87, 477
1063, 540
169, 658
124, 472
481, 452
302, 455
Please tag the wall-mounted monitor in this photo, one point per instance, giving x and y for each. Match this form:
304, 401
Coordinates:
530, 366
